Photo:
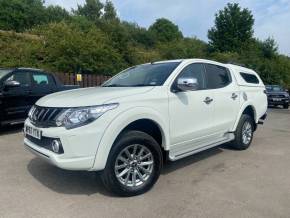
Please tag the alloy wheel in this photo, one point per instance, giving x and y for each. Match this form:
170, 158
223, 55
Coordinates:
134, 165
247, 133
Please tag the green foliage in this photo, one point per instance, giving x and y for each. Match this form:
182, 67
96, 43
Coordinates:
185, 48
92, 10
93, 39
20, 50
164, 30
233, 29
269, 48
77, 50
276, 71
19, 15
56, 14
110, 12
139, 35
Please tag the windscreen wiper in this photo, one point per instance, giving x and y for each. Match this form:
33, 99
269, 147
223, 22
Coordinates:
114, 85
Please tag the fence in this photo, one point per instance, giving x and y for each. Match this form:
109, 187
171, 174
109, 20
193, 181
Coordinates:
88, 80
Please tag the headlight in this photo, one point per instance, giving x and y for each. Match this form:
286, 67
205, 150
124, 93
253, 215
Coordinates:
76, 117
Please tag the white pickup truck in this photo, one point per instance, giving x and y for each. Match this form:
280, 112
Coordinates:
144, 115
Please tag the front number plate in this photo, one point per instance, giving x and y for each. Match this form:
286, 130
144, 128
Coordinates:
35, 133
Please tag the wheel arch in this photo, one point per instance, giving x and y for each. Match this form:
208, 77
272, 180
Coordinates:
249, 109
148, 126
129, 120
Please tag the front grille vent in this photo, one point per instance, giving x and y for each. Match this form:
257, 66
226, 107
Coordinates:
44, 116
277, 96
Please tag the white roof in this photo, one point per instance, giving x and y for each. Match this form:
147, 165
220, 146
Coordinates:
235, 69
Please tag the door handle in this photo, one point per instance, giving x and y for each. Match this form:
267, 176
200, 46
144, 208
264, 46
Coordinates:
234, 96
208, 100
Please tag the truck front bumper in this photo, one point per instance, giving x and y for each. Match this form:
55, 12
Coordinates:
279, 101
79, 146
81, 163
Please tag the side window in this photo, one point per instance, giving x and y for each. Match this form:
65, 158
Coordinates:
22, 77
217, 76
42, 79
250, 78
194, 71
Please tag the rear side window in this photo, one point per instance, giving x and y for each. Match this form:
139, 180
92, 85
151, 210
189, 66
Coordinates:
250, 78
41, 79
217, 76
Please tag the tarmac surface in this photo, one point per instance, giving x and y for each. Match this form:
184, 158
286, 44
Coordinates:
220, 182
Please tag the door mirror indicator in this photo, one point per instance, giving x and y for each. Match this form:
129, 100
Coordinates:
187, 84
11, 83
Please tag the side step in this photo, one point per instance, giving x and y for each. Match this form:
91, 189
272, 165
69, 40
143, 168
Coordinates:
174, 156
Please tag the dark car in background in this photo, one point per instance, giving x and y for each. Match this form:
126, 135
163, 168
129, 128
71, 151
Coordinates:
277, 95
20, 88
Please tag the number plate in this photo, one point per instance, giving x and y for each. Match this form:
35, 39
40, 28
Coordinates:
35, 133
277, 99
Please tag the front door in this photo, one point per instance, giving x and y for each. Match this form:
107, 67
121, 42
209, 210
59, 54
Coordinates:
15, 99
191, 116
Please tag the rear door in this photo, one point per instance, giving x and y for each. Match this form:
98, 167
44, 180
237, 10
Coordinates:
226, 97
42, 84
15, 99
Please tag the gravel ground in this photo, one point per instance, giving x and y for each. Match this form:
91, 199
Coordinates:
220, 182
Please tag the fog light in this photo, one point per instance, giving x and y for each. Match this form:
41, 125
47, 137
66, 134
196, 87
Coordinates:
55, 145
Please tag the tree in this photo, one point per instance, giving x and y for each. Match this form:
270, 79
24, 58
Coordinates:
19, 15
233, 29
185, 48
165, 31
18, 49
94, 39
92, 10
110, 13
56, 14
269, 48
139, 35
68, 49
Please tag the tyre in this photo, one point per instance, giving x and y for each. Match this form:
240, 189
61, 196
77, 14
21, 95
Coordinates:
286, 106
244, 133
133, 165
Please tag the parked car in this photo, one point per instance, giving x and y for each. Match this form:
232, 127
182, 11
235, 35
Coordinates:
277, 95
20, 88
144, 115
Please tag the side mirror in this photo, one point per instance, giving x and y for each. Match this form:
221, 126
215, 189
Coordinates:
11, 83
187, 84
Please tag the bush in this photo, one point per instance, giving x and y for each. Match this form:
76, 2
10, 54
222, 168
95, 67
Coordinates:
18, 49
93, 39
69, 49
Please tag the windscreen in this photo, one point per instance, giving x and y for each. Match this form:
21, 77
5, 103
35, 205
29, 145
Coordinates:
275, 88
3, 73
154, 74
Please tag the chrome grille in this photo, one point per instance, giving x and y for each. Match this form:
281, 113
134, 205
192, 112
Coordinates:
44, 116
